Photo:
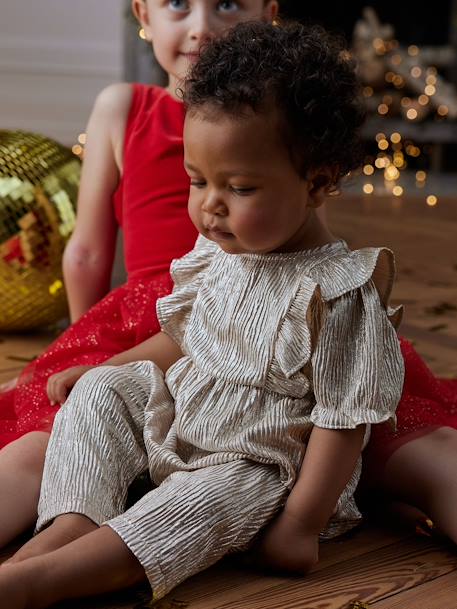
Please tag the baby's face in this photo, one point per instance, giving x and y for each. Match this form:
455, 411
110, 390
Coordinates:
245, 193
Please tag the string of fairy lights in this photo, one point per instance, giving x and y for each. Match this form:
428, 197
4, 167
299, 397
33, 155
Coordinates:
395, 153
391, 160
78, 148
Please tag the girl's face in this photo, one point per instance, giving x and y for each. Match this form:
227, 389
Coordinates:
177, 28
245, 193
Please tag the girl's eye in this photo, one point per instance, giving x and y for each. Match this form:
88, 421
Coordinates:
228, 6
178, 5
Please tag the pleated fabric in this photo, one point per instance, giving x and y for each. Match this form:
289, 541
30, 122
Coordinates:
273, 344
117, 424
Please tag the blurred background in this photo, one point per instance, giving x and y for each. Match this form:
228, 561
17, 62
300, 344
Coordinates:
53, 62
56, 56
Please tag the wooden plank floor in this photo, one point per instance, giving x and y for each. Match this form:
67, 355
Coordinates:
374, 567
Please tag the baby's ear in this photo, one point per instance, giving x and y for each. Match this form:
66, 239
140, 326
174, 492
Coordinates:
321, 182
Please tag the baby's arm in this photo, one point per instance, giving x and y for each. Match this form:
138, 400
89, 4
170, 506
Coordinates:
160, 349
88, 257
330, 458
291, 541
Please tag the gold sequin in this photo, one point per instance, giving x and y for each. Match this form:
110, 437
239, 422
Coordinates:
39, 181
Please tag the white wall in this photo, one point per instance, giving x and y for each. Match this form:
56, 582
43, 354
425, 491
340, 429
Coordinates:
55, 56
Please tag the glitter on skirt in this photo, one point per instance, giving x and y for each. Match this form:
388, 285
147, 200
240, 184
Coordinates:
125, 317
151, 208
427, 403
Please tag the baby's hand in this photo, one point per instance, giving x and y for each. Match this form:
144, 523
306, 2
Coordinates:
60, 384
286, 545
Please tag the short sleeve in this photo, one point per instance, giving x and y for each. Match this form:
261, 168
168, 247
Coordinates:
357, 366
173, 311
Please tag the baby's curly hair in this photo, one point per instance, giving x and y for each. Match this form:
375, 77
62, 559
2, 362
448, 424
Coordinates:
308, 75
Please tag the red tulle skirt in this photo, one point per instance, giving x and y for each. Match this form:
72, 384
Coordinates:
124, 318
127, 316
427, 403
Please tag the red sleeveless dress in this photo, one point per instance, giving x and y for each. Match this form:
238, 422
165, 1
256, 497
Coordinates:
151, 207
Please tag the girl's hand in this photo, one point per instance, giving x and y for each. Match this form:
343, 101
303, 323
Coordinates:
60, 384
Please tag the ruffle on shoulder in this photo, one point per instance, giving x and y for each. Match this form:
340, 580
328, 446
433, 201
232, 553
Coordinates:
339, 333
333, 276
296, 340
187, 272
339, 274
293, 347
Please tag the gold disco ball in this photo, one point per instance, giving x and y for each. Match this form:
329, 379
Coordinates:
39, 181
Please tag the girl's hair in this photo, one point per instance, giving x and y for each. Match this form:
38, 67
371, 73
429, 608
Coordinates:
306, 73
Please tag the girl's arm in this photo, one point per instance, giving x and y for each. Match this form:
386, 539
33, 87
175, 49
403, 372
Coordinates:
88, 257
160, 349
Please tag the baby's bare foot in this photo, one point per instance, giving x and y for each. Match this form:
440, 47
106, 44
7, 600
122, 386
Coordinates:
63, 530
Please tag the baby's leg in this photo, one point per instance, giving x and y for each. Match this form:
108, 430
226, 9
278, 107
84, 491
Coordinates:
63, 530
21, 469
182, 527
194, 518
423, 473
96, 563
96, 450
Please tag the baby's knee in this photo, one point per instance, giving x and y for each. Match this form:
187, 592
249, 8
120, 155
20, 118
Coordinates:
134, 378
98, 382
97, 375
